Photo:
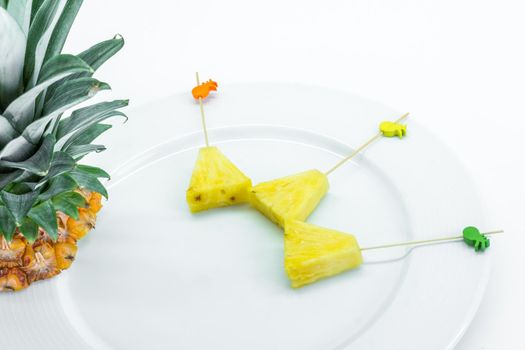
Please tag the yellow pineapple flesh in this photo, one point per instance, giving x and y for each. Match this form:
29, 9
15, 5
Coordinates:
216, 182
312, 253
292, 197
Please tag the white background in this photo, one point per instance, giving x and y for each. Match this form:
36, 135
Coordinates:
457, 66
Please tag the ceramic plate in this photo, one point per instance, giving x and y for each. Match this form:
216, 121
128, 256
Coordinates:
154, 276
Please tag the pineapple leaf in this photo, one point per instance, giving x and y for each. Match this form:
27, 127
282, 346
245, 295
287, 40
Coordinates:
94, 57
72, 93
39, 162
63, 65
79, 151
44, 214
29, 229
18, 204
20, 111
7, 223
12, 49
74, 198
91, 170
34, 8
88, 182
85, 137
37, 39
65, 207
68, 95
7, 132
87, 116
61, 163
20, 10
98, 54
68, 203
17, 150
57, 185
3, 4
61, 30
34, 131
6, 179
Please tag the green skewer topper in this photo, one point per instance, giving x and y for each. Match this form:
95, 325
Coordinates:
476, 239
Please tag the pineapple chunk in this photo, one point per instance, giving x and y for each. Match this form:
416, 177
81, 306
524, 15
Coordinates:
292, 197
312, 253
216, 182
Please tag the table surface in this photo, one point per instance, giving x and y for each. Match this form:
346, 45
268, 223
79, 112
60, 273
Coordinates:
457, 66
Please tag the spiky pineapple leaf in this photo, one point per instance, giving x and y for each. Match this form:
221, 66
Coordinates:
63, 65
85, 137
88, 182
61, 30
29, 229
20, 188
3, 4
44, 214
20, 111
12, 48
17, 150
91, 170
68, 203
39, 162
36, 37
7, 131
34, 8
67, 96
60, 164
74, 198
18, 204
80, 151
7, 178
57, 185
20, 10
87, 116
98, 54
34, 131
7, 223
72, 93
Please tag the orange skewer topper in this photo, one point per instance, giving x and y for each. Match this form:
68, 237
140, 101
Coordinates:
203, 90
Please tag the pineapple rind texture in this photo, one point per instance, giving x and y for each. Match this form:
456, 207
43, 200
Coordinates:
292, 197
313, 253
22, 262
216, 182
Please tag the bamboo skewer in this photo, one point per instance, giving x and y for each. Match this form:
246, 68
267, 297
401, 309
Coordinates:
203, 117
362, 147
426, 241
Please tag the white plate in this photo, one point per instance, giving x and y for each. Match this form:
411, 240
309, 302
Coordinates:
154, 276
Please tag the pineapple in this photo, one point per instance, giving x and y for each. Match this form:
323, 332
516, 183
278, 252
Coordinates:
292, 197
216, 182
312, 252
48, 201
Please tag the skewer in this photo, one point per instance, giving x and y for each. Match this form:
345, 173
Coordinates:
426, 241
363, 146
203, 117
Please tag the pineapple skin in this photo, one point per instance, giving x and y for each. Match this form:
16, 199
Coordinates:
216, 182
19, 267
292, 197
313, 253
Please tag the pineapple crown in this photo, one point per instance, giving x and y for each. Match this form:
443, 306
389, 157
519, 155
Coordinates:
39, 146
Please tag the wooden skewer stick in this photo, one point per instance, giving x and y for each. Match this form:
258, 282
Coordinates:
425, 241
362, 147
203, 117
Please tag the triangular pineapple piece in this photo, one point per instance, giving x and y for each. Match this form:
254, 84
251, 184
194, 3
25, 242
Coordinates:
292, 197
312, 252
216, 182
